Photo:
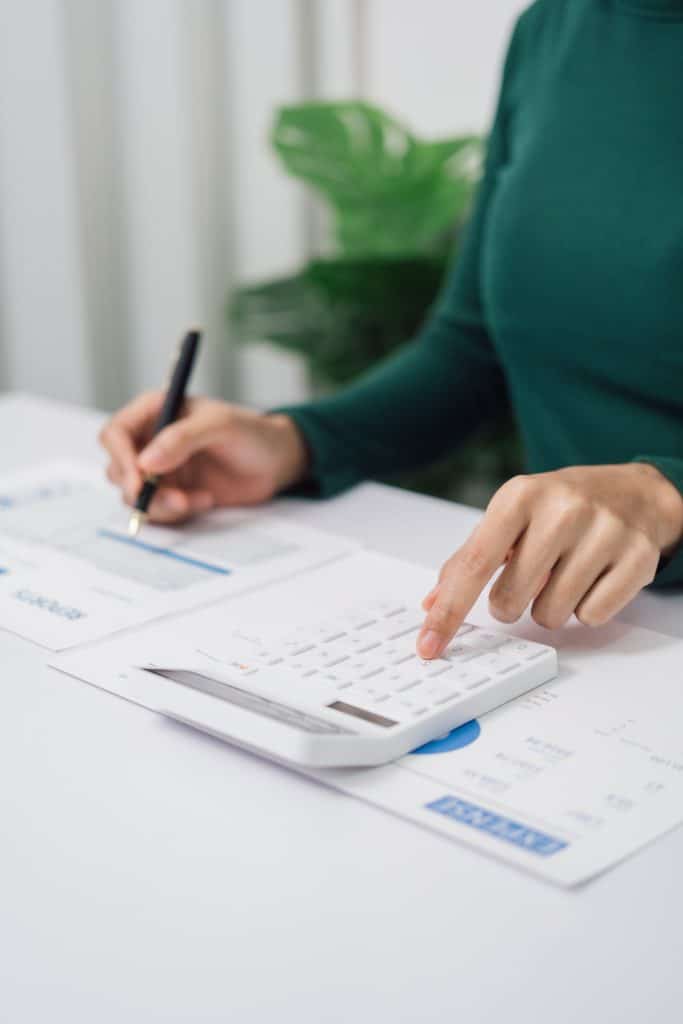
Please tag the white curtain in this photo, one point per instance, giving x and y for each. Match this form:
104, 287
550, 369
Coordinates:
136, 185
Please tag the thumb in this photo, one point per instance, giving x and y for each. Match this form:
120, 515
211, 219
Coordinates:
175, 444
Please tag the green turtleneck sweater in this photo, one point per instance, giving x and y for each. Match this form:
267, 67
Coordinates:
568, 289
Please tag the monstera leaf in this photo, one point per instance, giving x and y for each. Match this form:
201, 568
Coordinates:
390, 193
342, 314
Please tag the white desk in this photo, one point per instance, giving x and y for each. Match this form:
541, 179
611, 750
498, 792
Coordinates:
149, 874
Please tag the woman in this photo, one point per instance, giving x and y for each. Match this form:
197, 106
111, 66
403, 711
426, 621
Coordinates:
568, 293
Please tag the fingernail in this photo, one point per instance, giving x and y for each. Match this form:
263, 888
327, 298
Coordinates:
429, 644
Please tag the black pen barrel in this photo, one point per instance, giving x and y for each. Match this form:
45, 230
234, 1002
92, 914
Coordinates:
170, 410
175, 394
146, 494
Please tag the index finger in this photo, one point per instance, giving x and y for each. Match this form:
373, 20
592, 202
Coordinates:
140, 414
465, 575
122, 434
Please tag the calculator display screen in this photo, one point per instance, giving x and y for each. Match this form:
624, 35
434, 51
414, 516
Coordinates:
250, 701
367, 716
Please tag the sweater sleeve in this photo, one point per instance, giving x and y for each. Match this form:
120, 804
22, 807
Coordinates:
671, 569
423, 401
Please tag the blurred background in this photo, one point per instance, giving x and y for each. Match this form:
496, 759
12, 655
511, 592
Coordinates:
143, 181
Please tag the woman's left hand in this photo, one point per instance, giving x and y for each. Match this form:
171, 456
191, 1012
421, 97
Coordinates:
580, 541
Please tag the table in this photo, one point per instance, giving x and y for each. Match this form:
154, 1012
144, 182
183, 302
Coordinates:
149, 873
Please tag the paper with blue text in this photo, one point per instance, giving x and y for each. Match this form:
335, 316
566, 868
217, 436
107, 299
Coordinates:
69, 572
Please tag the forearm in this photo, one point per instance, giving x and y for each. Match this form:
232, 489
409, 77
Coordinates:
414, 408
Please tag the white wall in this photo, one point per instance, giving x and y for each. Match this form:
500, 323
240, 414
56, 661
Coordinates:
135, 180
436, 62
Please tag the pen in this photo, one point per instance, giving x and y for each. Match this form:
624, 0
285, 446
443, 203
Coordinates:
173, 401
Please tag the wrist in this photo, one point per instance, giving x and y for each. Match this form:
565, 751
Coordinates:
668, 503
292, 456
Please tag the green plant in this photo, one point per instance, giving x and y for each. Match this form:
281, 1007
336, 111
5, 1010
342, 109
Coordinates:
391, 194
396, 205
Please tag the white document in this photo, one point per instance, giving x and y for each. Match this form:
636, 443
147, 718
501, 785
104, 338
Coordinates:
564, 782
69, 572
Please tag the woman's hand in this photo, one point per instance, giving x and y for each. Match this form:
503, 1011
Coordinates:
216, 454
580, 541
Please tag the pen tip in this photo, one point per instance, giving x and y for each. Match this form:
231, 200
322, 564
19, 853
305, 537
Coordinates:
134, 524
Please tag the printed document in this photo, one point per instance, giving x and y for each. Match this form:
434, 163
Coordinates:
69, 572
564, 782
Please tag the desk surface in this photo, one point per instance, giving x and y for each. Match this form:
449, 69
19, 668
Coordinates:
149, 874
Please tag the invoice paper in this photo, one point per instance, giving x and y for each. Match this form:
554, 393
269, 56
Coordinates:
563, 782
69, 572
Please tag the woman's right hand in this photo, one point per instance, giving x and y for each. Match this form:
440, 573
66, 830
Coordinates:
216, 454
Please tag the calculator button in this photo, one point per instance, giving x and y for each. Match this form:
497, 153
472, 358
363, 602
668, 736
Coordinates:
427, 669
385, 607
294, 647
338, 659
356, 641
329, 638
243, 668
519, 648
535, 654
442, 694
460, 652
325, 632
368, 645
363, 696
483, 640
402, 675
399, 626
496, 664
394, 651
414, 707
525, 650
371, 671
437, 668
470, 678
361, 619
408, 684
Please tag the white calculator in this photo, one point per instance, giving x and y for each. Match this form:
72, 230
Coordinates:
350, 691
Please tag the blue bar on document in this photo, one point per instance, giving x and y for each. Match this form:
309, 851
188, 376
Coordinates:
497, 825
156, 549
